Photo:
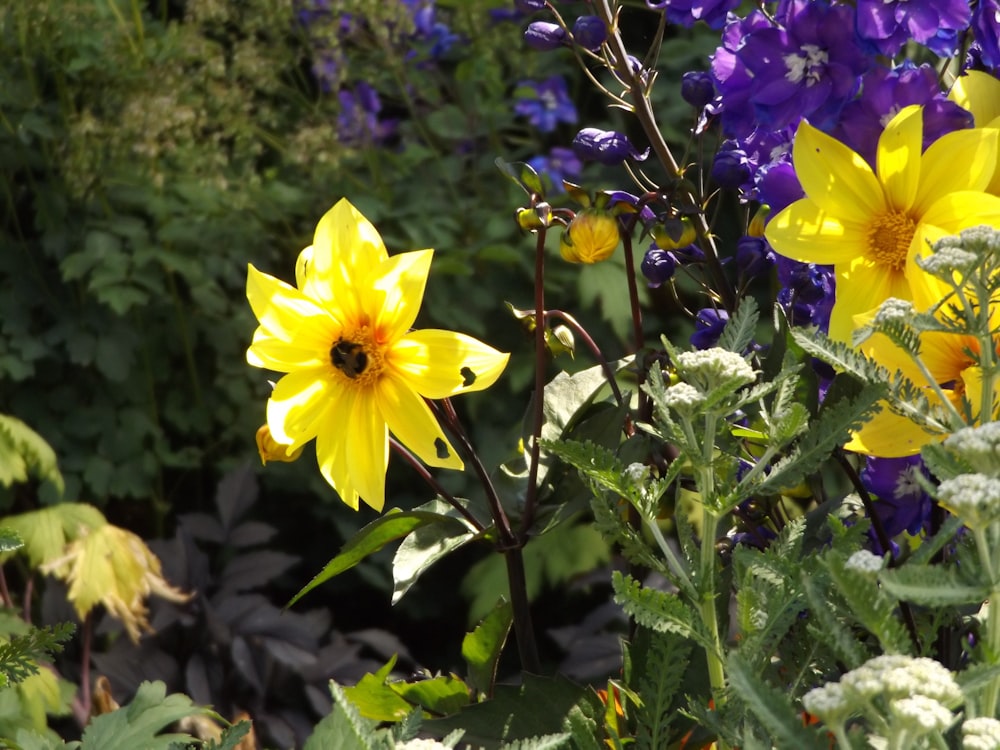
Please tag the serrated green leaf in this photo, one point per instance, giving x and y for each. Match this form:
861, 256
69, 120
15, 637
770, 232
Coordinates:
660, 662
47, 531
442, 695
932, 586
372, 698
741, 327
482, 647
23, 453
139, 723
547, 742
772, 708
394, 525
657, 610
10, 540
344, 728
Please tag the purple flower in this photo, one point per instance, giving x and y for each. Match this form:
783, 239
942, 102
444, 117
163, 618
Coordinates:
901, 505
560, 164
697, 88
732, 79
986, 32
886, 25
777, 185
605, 146
884, 92
544, 36
545, 103
731, 168
810, 68
689, 12
754, 256
589, 32
807, 292
657, 266
621, 196
708, 325
358, 121
529, 6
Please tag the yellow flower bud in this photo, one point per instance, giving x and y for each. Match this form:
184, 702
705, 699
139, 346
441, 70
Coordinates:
674, 233
591, 237
271, 450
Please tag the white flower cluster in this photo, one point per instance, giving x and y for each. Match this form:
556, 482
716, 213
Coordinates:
893, 310
422, 745
683, 398
710, 368
981, 734
978, 446
918, 691
864, 561
636, 473
975, 498
948, 260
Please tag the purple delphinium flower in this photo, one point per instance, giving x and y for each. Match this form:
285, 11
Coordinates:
589, 32
605, 146
807, 292
986, 32
884, 92
886, 25
739, 161
544, 36
754, 256
621, 196
901, 505
708, 325
560, 164
777, 185
809, 68
688, 12
658, 266
697, 88
732, 79
545, 103
358, 121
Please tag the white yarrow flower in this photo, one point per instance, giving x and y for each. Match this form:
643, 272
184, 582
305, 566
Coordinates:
710, 368
978, 446
982, 733
975, 498
864, 561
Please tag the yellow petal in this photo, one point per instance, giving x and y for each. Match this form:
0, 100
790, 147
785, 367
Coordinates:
805, 232
402, 279
283, 356
331, 452
979, 93
898, 157
367, 449
862, 286
299, 405
890, 436
834, 177
960, 210
975, 150
439, 364
414, 425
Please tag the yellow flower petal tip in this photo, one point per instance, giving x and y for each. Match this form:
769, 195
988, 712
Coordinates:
591, 237
354, 369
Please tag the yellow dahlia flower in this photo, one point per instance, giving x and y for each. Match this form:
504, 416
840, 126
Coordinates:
871, 225
355, 370
951, 361
979, 93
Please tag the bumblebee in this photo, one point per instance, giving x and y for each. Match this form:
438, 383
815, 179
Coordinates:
349, 358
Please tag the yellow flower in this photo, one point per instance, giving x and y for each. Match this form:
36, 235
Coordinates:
871, 225
591, 237
951, 362
112, 566
355, 370
271, 450
979, 93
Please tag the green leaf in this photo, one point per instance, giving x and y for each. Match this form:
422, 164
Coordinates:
426, 545
657, 610
522, 175
932, 586
442, 695
482, 647
23, 452
536, 708
374, 699
10, 540
47, 531
138, 724
20, 655
772, 707
394, 525
344, 728
660, 661
741, 328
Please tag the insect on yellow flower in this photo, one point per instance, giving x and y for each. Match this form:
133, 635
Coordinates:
355, 370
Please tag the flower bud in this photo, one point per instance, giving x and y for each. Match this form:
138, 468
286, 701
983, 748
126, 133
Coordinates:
605, 146
658, 266
530, 219
589, 32
708, 324
591, 237
753, 256
697, 88
544, 36
674, 233
271, 450
731, 168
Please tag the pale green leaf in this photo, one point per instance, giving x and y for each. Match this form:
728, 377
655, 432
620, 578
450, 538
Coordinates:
140, 722
482, 647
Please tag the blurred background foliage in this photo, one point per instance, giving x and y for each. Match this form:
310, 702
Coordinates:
150, 150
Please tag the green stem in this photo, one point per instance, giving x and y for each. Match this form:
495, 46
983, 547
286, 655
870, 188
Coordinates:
541, 359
